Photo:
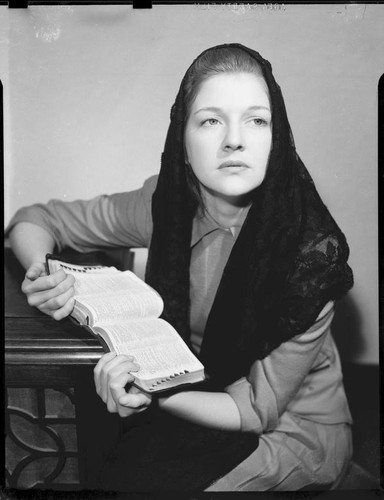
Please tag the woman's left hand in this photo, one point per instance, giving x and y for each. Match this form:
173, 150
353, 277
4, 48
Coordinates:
112, 373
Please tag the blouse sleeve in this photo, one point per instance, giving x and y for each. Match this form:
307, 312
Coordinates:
117, 220
273, 382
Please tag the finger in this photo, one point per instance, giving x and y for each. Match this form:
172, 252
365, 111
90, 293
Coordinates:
98, 368
64, 311
126, 411
44, 283
37, 297
57, 302
136, 401
113, 369
111, 404
131, 402
117, 386
36, 270
104, 368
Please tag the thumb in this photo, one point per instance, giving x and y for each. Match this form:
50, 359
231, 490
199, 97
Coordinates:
35, 271
134, 400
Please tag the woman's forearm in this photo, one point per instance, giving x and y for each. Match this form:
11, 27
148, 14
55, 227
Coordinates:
211, 409
30, 243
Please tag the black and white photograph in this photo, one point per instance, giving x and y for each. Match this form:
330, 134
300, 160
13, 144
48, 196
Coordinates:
191, 261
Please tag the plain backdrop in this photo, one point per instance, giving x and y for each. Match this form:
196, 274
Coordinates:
88, 91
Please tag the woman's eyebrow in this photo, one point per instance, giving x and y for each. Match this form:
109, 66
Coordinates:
256, 108
214, 109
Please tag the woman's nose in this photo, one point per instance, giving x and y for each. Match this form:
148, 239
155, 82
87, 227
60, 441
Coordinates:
233, 139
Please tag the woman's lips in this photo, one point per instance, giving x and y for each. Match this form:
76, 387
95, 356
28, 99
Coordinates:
233, 165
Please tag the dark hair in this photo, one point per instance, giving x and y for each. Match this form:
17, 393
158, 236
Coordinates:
210, 63
213, 62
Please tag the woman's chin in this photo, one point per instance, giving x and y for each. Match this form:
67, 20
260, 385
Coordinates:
238, 190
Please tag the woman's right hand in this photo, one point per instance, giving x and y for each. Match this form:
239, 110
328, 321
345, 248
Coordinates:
51, 294
112, 374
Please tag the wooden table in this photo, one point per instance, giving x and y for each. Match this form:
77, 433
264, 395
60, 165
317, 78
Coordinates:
58, 431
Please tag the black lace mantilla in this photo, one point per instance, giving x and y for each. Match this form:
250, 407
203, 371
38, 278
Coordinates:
289, 260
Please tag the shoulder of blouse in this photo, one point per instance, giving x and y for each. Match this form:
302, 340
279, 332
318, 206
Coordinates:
149, 187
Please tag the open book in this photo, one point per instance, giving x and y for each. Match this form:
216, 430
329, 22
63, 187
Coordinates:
124, 311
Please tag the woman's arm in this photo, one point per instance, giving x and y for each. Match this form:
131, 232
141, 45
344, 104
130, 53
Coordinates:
248, 405
273, 382
113, 373
106, 221
210, 409
123, 219
30, 243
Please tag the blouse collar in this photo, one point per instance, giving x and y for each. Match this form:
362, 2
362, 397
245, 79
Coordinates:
203, 224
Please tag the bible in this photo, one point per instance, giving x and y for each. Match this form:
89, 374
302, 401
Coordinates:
124, 312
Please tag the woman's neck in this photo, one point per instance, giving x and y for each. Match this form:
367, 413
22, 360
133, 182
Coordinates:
226, 211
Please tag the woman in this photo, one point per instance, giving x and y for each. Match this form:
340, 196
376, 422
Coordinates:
249, 263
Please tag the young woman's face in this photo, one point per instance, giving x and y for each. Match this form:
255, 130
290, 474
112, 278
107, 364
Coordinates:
228, 134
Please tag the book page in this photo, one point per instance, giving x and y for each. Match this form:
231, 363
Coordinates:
121, 306
109, 294
156, 346
103, 283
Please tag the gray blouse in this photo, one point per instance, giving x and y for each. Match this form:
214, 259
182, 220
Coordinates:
302, 375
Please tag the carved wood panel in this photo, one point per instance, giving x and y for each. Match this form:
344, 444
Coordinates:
41, 440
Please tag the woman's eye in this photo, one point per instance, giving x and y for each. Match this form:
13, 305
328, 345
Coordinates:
259, 121
209, 122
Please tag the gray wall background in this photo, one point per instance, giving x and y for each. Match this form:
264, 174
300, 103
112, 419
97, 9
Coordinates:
88, 90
